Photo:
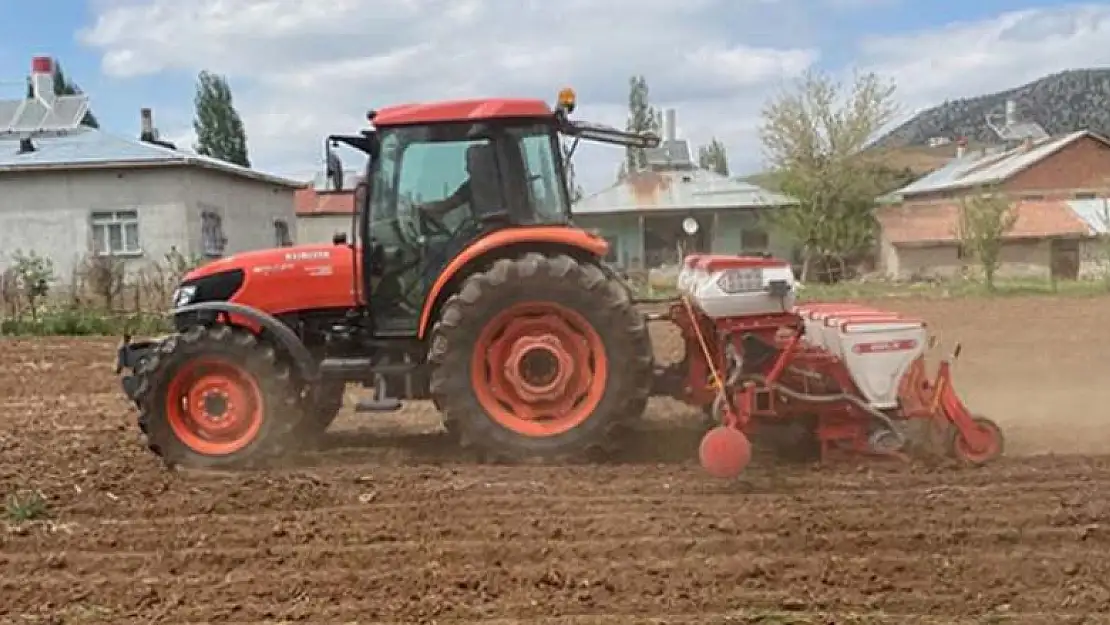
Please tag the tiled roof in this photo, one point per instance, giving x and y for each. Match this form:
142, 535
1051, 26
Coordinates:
310, 202
984, 167
938, 223
673, 190
91, 148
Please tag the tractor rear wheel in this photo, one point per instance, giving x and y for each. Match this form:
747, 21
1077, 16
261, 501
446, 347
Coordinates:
540, 358
215, 397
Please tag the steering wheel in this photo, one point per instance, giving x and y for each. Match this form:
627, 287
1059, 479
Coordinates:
432, 224
405, 226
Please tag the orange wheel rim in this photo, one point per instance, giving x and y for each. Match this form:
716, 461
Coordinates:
539, 369
214, 407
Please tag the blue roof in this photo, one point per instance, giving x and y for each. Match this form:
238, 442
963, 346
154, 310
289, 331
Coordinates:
1095, 213
984, 167
681, 189
91, 148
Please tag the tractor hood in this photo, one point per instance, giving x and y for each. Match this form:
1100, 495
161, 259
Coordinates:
294, 260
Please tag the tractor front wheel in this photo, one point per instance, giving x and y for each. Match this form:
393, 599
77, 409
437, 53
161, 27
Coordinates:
215, 397
540, 358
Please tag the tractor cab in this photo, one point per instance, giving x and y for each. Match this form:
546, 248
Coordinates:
441, 177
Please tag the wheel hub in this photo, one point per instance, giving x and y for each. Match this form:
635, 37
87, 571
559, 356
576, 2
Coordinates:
539, 367
215, 405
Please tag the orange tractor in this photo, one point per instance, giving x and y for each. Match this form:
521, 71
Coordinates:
467, 284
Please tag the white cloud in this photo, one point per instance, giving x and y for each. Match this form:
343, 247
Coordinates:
972, 58
303, 69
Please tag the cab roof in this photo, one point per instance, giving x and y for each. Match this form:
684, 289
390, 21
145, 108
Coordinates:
461, 111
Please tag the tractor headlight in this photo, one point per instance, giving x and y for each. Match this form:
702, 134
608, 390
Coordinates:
734, 281
183, 295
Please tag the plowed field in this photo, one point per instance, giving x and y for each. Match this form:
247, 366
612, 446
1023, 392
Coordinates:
384, 528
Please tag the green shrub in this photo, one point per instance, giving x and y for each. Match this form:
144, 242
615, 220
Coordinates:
68, 322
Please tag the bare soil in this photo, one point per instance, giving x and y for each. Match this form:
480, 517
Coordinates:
389, 526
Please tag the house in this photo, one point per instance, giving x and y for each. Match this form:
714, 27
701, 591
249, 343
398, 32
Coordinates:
91, 192
70, 192
323, 213
642, 215
1053, 182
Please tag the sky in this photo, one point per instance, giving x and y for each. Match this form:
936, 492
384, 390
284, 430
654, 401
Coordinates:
301, 69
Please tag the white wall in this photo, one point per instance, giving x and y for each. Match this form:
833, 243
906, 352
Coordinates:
248, 208
321, 228
49, 212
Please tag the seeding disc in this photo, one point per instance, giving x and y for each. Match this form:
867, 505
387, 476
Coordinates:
725, 452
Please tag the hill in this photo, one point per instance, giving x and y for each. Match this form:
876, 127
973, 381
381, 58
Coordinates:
1061, 103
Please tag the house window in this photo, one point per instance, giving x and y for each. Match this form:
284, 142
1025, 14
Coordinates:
212, 239
281, 233
116, 233
1085, 195
1033, 197
754, 240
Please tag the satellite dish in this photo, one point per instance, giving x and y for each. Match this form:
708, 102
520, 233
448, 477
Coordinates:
690, 226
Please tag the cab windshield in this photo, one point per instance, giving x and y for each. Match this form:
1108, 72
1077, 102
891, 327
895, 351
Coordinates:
489, 174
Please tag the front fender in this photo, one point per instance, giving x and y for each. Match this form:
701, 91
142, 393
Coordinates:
287, 339
473, 254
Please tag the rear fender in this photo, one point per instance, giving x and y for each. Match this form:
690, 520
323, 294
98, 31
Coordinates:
258, 321
503, 244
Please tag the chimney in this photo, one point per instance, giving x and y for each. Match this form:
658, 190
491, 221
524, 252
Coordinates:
146, 125
670, 129
961, 147
42, 79
1011, 113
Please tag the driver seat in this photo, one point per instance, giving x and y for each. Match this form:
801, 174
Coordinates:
486, 201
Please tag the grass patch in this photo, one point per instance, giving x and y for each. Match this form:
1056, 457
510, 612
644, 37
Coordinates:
950, 289
68, 322
26, 506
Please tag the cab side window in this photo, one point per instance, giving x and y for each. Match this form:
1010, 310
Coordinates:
433, 171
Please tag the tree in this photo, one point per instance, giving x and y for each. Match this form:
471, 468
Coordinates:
62, 87
813, 138
986, 217
642, 117
219, 129
33, 276
713, 157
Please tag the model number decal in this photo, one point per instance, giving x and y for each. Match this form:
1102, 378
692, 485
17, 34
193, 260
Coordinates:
317, 255
882, 347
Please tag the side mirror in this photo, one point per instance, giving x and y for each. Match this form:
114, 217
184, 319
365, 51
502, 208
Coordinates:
339, 238
334, 168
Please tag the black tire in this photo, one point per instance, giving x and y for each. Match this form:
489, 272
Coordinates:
279, 398
585, 290
318, 413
